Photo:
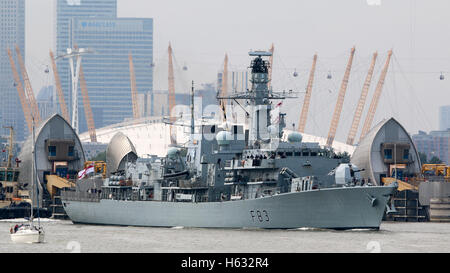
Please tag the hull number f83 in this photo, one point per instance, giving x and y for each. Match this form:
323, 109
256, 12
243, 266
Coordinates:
259, 215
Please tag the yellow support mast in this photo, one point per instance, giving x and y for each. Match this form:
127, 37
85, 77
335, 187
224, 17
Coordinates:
340, 101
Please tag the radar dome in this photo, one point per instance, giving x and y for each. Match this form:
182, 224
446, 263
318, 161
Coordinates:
172, 152
224, 138
295, 137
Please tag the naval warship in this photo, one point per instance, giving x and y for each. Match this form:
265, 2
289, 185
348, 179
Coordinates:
230, 176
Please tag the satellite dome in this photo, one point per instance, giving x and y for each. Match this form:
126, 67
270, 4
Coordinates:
172, 152
295, 137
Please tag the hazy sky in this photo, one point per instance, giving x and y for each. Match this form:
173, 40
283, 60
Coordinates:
202, 31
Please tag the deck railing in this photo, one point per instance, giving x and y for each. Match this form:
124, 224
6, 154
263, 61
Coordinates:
71, 195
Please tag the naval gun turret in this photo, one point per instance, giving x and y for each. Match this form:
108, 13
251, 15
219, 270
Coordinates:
347, 174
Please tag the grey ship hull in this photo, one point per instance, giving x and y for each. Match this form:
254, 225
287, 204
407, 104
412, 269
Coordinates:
336, 208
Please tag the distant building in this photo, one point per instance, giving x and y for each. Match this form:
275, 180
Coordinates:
94, 25
436, 143
12, 33
92, 149
208, 94
444, 117
160, 100
107, 70
65, 11
160, 103
46, 101
238, 82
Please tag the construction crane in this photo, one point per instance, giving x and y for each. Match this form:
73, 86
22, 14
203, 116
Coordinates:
224, 89
28, 88
270, 66
171, 97
87, 107
62, 102
340, 100
23, 99
375, 98
361, 102
307, 99
134, 96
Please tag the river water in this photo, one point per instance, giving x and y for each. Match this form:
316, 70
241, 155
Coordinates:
64, 236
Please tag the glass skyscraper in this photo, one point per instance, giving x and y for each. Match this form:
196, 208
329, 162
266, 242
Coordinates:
434, 144
107, 70
444, 117
12, 32
94, 24
66, 10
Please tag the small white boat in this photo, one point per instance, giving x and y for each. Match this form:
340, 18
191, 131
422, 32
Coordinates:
27, 234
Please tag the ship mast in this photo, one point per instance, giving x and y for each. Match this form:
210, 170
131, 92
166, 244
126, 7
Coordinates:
32, 172
259, 98
192, 110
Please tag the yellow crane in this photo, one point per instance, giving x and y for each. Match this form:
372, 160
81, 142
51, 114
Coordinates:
23, 99
28, 88
134, 96
87, 107
173, 138
307, 99
361, 102
375, 98
340, 100
62, 102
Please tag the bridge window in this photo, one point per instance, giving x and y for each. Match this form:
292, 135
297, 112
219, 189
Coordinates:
313, 153
9, 176
405, 153
297, 154
52, 150
71, 151
388, 154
